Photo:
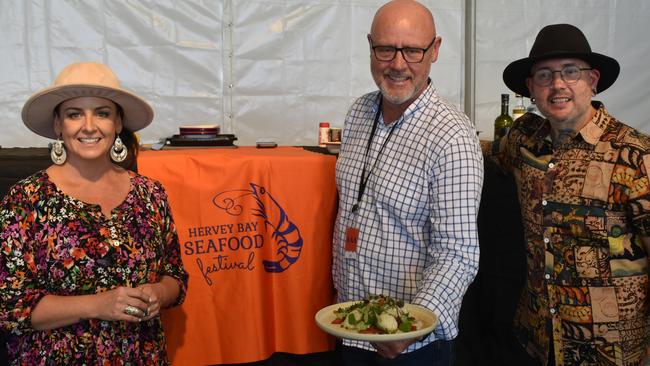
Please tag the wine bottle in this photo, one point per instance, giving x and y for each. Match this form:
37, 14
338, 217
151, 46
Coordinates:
518, 109
503, 122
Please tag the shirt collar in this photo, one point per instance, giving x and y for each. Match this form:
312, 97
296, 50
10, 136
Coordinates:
421, 100
594, 129
590, 132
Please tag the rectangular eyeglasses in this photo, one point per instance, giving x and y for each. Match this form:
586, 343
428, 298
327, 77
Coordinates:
412, 55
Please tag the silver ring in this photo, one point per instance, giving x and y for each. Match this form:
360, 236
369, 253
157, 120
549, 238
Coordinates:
132, 310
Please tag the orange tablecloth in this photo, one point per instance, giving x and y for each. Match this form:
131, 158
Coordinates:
255, 227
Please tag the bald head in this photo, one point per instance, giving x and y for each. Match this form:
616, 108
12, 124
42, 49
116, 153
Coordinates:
403, 12
404, 26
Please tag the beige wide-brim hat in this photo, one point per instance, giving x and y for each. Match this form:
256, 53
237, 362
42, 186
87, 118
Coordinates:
84, 79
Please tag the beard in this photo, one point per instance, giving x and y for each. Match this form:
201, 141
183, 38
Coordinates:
397, 96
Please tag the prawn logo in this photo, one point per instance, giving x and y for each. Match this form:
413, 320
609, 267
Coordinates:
285, 235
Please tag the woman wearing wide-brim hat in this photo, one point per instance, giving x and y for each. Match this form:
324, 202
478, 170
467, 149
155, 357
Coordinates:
90, 253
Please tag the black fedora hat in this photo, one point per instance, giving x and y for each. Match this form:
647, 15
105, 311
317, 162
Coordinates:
560, 41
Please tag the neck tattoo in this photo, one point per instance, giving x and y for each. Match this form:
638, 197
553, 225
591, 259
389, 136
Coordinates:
563, 137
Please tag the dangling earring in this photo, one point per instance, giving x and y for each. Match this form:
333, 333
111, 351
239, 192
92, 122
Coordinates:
118, 151
57, 152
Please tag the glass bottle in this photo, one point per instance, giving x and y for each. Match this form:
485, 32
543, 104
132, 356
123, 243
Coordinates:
323, 133
518, 109
503, 122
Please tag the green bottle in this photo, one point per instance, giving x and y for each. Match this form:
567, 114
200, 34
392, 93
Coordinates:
503, 122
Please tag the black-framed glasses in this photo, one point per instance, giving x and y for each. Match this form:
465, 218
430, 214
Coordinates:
412, 55
570, 74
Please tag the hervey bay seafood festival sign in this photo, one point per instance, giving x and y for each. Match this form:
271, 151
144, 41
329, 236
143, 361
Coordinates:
253, 224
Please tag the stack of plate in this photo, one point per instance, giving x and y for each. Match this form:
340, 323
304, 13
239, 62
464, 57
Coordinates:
201, 135
199, 130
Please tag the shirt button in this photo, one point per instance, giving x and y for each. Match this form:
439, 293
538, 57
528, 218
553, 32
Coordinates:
547, 276
552, 310
551, 165
546, 240
544, 203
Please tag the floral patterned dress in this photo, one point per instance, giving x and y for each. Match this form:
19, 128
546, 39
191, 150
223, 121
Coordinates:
52, 243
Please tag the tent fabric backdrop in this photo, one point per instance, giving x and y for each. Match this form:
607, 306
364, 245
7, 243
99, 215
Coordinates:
506, 30
275, 69
258, 68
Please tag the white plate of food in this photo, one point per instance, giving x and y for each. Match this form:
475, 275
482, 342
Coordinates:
421, 321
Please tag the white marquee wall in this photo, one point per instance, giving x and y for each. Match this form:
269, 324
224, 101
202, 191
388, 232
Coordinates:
274, 69
506, 30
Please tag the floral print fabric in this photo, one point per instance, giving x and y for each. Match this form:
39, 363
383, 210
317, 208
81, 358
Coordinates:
585, 208
52, 243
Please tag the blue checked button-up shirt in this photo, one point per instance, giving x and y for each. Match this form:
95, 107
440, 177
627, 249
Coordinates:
418, 239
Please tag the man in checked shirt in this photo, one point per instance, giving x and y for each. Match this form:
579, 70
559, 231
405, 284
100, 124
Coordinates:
585, 199
409, 177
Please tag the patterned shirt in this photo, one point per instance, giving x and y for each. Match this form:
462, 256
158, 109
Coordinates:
585, 207
418, 239
52, 243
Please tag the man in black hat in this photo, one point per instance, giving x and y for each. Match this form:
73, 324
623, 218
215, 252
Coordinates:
585, 202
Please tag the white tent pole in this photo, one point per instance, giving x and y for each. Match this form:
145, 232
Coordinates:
469, 92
